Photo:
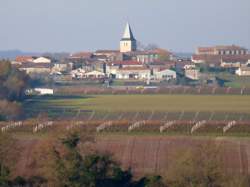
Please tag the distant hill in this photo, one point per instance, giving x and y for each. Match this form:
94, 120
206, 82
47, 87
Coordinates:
11, 54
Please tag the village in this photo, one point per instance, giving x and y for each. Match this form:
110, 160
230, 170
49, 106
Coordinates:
130, 66
124, 93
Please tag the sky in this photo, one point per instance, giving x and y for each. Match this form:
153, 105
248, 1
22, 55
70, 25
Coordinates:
87, 25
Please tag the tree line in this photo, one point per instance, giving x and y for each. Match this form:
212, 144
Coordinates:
13, 84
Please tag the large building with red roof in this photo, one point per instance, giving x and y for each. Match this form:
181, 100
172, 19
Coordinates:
224, 56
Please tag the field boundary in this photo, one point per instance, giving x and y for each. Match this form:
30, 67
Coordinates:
152, 90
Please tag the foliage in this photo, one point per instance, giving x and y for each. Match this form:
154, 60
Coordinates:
200, 166
151, 181
4, 175
9, 110
12, 87
13, 82
73, 169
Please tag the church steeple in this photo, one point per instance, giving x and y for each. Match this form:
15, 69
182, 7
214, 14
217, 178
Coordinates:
128, 34
128, 41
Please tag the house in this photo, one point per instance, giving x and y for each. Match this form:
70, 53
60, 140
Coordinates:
160, 65
22, 59
165, 74
126, 63
243, 71
193, 74
77, 73
153, 55
140, 73
42, 60
210, 60
221, 56
81, 55
235, 61
35, 68
111, 70
221, 50
108, 55
44, 91
94, 75
62, 67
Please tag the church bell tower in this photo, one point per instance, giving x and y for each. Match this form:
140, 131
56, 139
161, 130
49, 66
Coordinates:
128, 42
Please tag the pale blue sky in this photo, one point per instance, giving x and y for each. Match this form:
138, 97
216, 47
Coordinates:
78, 25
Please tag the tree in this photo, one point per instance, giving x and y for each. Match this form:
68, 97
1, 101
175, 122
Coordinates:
13, 84
151, 181
5, 69
16, 84
9, 110
4, 175
73, 169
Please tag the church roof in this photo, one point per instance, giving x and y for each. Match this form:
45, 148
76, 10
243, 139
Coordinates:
128, 34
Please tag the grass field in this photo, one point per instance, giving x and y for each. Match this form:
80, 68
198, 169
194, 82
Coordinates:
175, 103
113, 107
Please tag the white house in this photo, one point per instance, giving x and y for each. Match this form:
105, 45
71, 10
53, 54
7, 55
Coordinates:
243, 71
77, 73
62, 67
42, 60
140, 73
44, 91
111, 70
193, 74
165, 74
94, 74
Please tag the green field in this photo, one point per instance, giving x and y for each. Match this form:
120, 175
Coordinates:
172, 103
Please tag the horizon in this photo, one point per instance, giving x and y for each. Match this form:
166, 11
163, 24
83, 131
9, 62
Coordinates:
63, 26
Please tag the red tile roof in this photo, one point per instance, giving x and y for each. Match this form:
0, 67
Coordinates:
24, 58
229, 47
81, 55
219, 47
149, 52
207, 57
127, 62
236, 58
134, 69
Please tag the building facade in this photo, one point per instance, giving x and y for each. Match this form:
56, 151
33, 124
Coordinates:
221, 50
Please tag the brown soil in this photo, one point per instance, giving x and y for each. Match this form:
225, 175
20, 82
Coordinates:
148, 154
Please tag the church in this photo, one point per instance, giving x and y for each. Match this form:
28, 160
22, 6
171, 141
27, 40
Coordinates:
128, 41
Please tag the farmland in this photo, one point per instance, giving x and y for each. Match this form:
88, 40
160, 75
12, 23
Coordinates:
141, 132
144, 154
218, 107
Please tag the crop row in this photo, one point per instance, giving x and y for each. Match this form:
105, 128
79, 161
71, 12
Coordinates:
182, 127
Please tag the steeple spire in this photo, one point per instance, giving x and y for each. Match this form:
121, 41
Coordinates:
128, 34
128, 42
